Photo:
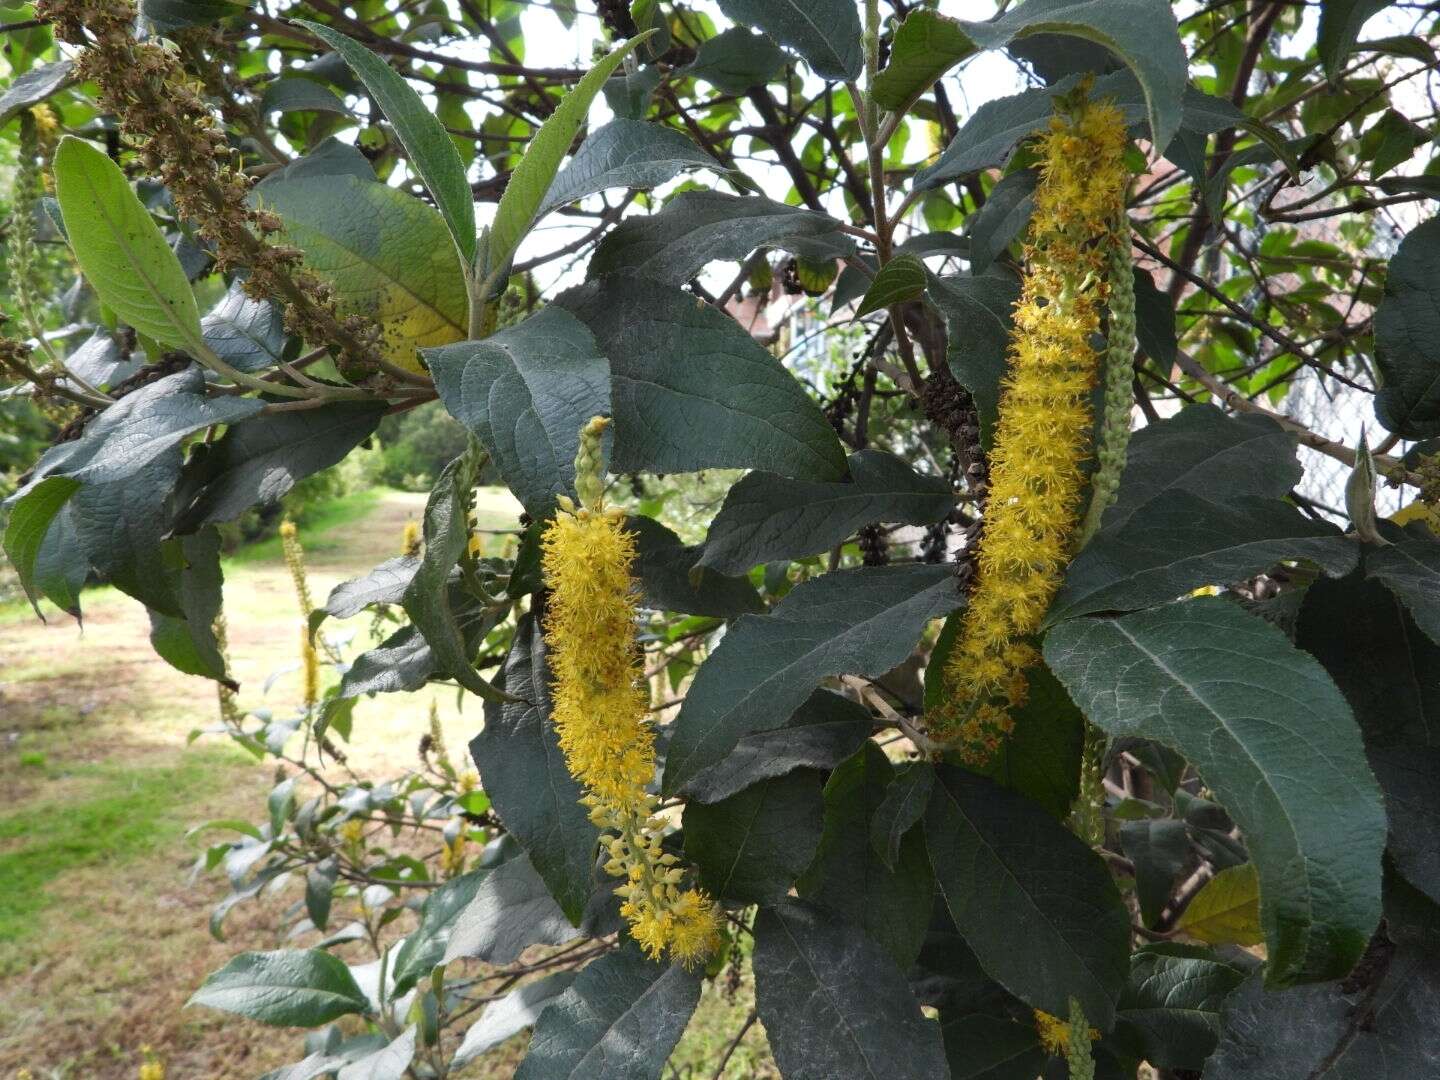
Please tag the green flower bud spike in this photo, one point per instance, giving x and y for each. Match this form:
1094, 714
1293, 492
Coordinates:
590, 463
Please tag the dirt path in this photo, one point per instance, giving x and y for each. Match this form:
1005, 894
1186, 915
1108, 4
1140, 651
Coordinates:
101, 937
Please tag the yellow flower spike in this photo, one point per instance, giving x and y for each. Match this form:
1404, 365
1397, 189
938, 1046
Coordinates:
310, 666
410, 539
601, 710
1042, 438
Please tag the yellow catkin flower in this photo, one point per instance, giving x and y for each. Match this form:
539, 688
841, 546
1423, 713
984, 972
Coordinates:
351, 832
310, 668
452, 858
1042, 438
295, 562
1055, 1033
601, 717
469, 780
410, 539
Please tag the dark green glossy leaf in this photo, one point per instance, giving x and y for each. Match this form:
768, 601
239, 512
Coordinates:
526, 392
619, 1021
30, 519
1409, 775
427, 601
1270, 734
425, 947
901, 279
508, 909
1378, 1023
1159, 850
1033, 901
524, 773
1154, 320
736, 60
1179, 542
1004, 217
982, 1047
1410, 569
692, 390
118, 528
400, 663
663, 568
1340, 23
288, 987
1407, 337
820, 734
892, 902
171, 15
767, 518
900, 810
626, 154
700, 227
834, 1004
1169, 1013
259, 460
33, 87
247, 334
188, 643
860, 622
977, 314
826, 33
751, 846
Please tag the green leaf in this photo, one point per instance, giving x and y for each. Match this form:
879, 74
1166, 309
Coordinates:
767, 518
690, 389
288, 988
427, 143
1202, 451
33, 87
301, 95
1179, 542
528, 184
524, 772
390, 1062
247, 334
427, 600
1407, 337
891, 903
30, 519
1041, 757
663, 569
926, 45
626, 154
188, 643
61, 566
619, 1021
171, 15
400, 663
736, 60
1170, 1009
822, 733
997, 858
977, 314
525, 392
833, 1002
120, 249
1411, 570
700, 227
1155, 321
1340, 23
1377, 1023
511, 1015
752, 846
1159, 850
1143, 33
259, 460
826, 33
418, 954
1270, 734
1226, 911
629, 95
383, 251
981, 1047
860, 622
901, 279
1004, 216
900, 810
1388, 670
1410, 777
509, 910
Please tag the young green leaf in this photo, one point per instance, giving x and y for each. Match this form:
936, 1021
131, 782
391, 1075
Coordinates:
287, 987
901, 279
425, 139
530, 181
120, 249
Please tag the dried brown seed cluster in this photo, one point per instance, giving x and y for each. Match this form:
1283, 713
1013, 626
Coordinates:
164, 111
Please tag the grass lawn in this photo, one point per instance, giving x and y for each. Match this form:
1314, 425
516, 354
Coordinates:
103, 935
